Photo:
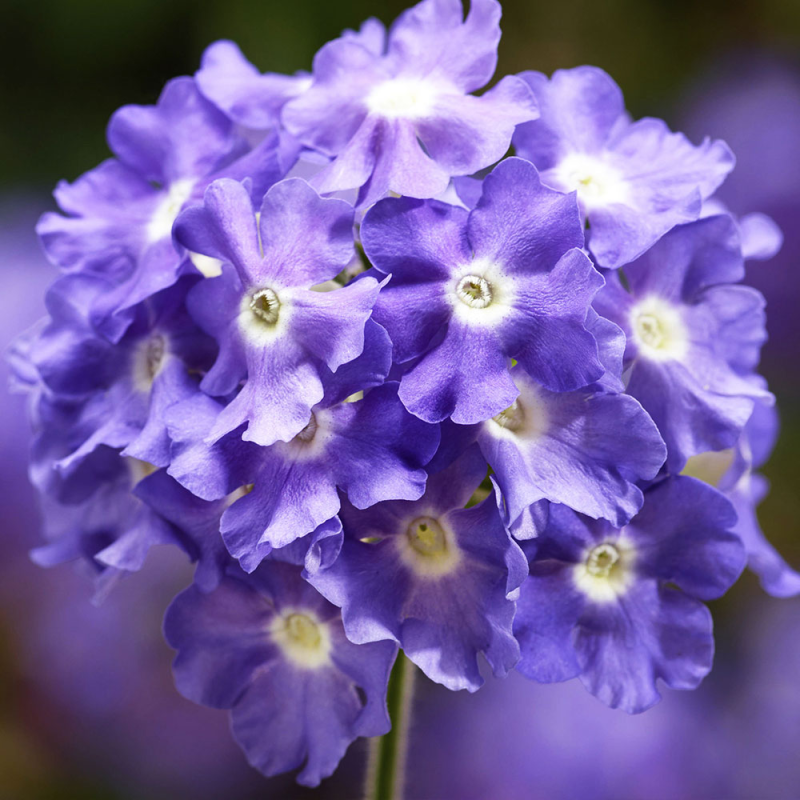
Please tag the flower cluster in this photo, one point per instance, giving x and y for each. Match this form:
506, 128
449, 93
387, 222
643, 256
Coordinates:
390, 388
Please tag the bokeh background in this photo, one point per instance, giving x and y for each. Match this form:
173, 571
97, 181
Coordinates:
87, 707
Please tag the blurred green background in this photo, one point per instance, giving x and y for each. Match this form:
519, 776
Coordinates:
66, 66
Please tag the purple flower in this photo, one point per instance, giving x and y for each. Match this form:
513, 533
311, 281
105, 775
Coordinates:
732, 471
371, 449
622, 608
469, 291
93, 517
271, 327
253, 101
196, 522
635, 180
402, 118
271, 649
120, 214
693, 336
125, 387
432, 576
585, 449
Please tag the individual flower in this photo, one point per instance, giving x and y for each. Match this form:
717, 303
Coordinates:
271, 327
195, 521
469, 291
585, 449
93, 517
621, 608
371, 449
252, 100
402, 118
733, 472
127, 386
271, 649
635, 180
120, 215
432, 576
693, 336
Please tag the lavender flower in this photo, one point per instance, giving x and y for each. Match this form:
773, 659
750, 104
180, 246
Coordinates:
270, 326
600, 603
733, 472
469, 291
585, 449
693, 336
402, 118
635, 180
269, 648
127, 386
431, 576
121, 214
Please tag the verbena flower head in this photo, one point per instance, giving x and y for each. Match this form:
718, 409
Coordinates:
445, 410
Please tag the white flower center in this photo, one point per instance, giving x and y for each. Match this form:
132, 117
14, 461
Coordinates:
266, 306
597, 182
427, 537
527, 417
606, 571
160, 225
658, 329
264, 314
513, 418
313, 441
429, 547
305, 640
474, 291
481, 293
601, 560
403, 98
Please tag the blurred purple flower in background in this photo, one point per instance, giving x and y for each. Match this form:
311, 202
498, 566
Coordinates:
736, 737
752, 100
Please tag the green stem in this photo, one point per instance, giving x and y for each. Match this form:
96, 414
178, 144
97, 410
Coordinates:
387, 758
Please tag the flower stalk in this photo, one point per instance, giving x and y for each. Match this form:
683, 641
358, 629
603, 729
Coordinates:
386, 768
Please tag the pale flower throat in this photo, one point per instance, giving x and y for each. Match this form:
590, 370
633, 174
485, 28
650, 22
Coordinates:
512, 419
428, 548
427, 537
606, 571
148, 361
310, 430
304, 640
266, 306
601, 560
474, 291
658, 329
403, 98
